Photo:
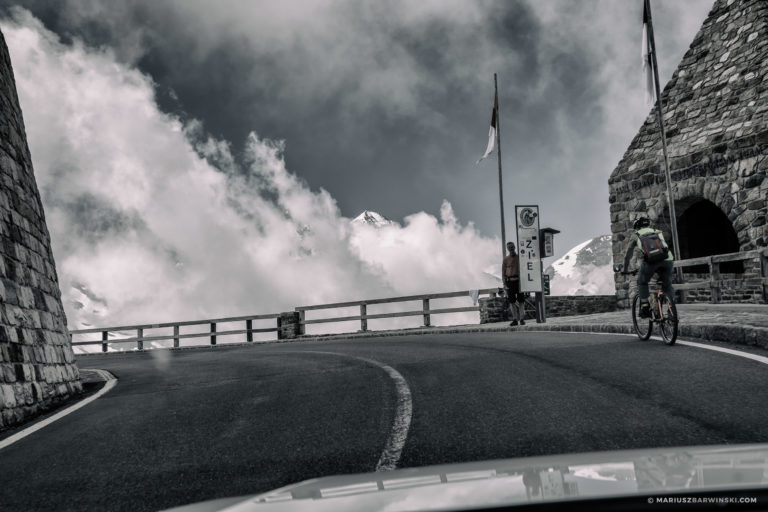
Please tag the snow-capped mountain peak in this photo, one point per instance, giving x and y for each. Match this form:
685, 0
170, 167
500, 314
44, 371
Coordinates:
373, 219
584, 270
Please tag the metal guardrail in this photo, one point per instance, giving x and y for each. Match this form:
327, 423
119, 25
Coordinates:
212, 333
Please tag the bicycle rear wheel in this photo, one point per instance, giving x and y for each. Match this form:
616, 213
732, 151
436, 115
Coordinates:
669, 321
642, 326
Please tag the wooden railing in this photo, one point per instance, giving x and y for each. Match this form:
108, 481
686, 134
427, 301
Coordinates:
177, 336
364, 316
716, 283
212, 331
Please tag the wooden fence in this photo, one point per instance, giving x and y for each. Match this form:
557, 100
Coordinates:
364, 316
716, 283
177, 336
212, 333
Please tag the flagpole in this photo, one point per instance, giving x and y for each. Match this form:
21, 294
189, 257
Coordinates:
660, 113
498, 153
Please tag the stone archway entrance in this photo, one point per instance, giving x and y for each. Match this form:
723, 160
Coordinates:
704, 230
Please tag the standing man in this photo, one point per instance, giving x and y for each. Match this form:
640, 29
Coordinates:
511, 274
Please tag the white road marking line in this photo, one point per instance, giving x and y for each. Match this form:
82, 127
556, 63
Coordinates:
111, 382
403, 413
737, 353
754, 357
393, 449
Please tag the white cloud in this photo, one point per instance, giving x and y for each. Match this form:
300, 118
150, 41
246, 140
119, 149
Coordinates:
158, 222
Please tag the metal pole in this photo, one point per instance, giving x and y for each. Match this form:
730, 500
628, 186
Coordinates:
498, 153
541, 304
660, 113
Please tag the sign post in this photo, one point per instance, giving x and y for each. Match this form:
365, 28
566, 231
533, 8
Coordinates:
529, 254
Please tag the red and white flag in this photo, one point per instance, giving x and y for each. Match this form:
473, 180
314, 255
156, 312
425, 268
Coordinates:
491, 132
650, 94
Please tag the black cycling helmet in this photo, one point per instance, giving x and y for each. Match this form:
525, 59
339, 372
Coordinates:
642, 222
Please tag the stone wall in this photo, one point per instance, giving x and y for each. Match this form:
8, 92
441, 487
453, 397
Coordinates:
493, 309
496, 309
579, 305
37, 367
716, 120
289, 325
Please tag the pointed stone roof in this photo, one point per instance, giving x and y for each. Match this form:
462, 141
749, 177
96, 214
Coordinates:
716, 99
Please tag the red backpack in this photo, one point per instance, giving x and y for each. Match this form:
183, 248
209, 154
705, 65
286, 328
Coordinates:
654, 248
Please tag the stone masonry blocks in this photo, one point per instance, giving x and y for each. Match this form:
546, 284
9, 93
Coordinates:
37, 365
716, 123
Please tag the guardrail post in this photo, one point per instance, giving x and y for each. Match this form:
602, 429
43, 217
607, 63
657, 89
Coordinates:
683, 293
714, 281
363, 320
425, 308
175, 336
249, 327
213, 333
139, 340
104, 338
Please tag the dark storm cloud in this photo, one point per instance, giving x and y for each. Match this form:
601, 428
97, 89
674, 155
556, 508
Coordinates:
386, 104
357, 95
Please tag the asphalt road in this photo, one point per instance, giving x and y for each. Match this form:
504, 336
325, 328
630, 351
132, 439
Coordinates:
193, 425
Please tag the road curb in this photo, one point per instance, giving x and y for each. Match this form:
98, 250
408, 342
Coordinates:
737, 335
96, 375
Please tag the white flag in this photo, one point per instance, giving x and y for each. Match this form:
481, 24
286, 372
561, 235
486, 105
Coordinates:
650, 93
491, 132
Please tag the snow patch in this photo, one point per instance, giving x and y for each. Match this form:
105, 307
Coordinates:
587, 269
373, 219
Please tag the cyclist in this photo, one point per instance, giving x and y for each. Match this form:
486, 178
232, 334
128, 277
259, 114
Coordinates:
656, 258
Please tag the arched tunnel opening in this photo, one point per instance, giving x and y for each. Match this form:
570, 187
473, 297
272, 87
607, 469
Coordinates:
704, 230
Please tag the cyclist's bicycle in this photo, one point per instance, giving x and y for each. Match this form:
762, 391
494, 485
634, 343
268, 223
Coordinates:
663, 313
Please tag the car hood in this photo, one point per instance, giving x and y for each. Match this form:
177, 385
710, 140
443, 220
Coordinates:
648, 473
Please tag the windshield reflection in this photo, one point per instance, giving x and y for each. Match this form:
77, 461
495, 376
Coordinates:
519, 481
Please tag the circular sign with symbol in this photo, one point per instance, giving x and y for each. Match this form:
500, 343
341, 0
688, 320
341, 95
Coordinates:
527, 217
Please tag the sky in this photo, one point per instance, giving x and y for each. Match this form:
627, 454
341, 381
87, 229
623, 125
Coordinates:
199, 159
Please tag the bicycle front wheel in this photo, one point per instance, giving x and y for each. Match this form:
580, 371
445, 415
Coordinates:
669, 321
642, 325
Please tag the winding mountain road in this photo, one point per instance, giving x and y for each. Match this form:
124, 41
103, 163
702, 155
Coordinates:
191, 425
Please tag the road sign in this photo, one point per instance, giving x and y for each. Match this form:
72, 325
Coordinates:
527, 222
548, 246
547, 242
545, 277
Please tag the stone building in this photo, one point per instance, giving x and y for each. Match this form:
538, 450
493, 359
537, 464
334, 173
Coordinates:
716, 122
37, 367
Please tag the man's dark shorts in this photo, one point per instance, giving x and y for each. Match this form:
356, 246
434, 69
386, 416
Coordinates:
512, 286
665, 269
